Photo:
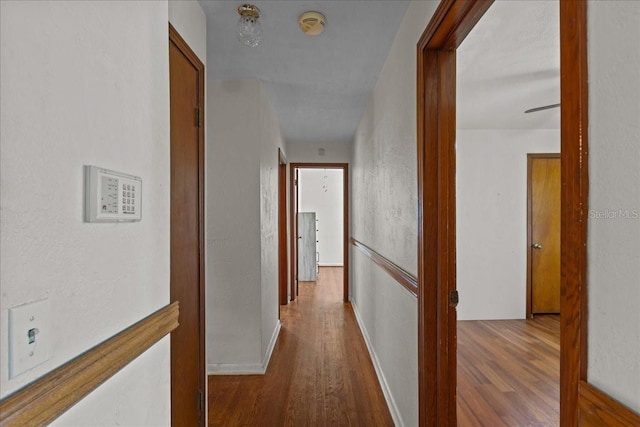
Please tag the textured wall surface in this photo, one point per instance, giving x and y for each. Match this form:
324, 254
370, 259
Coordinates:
233, 220
188, 18
614, 199
491, 223
384, 216
86, 83
242, 281
270, 140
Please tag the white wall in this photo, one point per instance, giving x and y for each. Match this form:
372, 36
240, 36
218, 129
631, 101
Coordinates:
384, 216
491, 221
242, 288
86, 83
614, 199
335, 152
188, 18
328, 206
270, 140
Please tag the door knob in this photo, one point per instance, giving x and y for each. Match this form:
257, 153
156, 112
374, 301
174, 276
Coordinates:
537, 246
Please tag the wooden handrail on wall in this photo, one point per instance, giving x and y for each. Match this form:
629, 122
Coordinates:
45, 399
403, 277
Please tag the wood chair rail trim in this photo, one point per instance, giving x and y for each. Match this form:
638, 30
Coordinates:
403, 277
45, 399
599, 409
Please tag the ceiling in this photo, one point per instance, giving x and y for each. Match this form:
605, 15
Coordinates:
509, 63
319, 86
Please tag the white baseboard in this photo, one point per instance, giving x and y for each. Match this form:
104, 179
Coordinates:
330, 264
235, 369
247, 368
393, 408
272, 343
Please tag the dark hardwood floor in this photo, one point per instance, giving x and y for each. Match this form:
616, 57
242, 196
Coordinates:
508, 372
320, 372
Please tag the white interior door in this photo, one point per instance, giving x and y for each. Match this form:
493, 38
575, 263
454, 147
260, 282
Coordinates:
307, 262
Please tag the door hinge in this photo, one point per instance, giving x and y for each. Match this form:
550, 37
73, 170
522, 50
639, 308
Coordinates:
295, 182
198, 117
454, 298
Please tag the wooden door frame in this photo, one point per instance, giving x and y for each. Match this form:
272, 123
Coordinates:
181, 44
530, 158
282, 230
436, 93
345, 219
293, 206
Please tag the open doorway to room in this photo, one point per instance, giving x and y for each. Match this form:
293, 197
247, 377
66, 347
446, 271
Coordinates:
507, 361
319, 216
437, 289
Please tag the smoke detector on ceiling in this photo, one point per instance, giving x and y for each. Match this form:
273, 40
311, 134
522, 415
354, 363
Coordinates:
312, 23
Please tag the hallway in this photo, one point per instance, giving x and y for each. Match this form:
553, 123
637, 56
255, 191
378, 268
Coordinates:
320, 371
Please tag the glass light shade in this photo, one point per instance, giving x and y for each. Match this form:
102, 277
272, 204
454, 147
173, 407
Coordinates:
249, 30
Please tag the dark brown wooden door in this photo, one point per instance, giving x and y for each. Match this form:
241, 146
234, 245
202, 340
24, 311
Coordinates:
544, 240
187, 341
294, 250
282, 230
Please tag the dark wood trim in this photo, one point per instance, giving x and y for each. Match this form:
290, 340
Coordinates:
403, 277
181, 44
436, 84
574, 187
293, 224
451, 23
45, 399
345, 233
345, 204
599, 409
282, 229
530, 157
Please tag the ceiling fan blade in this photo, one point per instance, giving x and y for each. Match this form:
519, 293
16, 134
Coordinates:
546, 107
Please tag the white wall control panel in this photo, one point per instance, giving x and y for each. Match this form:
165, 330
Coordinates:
111, 196
29, 336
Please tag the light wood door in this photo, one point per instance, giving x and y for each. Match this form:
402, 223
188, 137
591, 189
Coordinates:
544, 233
307, 248
187, 344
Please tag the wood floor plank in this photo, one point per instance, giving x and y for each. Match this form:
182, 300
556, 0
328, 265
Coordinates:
320, 372
508, 372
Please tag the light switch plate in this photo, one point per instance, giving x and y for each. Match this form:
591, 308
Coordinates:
29, 336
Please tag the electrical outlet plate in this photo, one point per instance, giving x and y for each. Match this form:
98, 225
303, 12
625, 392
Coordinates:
29, 336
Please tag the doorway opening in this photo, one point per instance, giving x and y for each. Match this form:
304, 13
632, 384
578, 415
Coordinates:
437, 293
506, 66
319, 222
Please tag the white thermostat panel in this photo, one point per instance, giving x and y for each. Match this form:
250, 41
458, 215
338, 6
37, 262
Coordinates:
111, 196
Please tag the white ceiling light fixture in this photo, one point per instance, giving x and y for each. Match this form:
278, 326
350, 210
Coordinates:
249, 28
312, 23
